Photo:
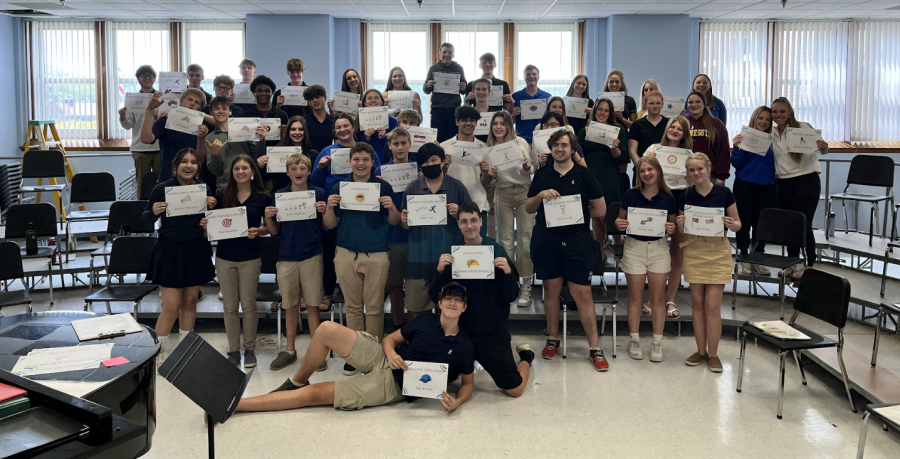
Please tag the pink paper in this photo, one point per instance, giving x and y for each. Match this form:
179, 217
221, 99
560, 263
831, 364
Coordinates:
114, 361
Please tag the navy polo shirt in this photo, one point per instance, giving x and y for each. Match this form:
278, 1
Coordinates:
169, 143
426, 342
293, 110
396, 234
662, 201
321, 135
578, 180
243, 248
494, 82
645, 133
525, 128
301, 239
324, 178
363, 231
180, 228
719, 196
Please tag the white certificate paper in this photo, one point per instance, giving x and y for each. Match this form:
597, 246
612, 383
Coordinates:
293, 96
136, 102
803, 140
278, 157
563, 211
602, 133
169, 101
399, 175
425, 379
400, 100
646, 222
446, 83
243, 94
184, 120
295, 205
506, 155
539, 140
672, 159
704, 221
575, 107
533, 109
672, 106
496, 97
473, 261
228, 223
466, 153
484, 124
755, 141
242, 129
426, 210
374, 118
346, 102
360, 196
617, 98
173, 81
273, 128
420, 136
340, 161
185, 200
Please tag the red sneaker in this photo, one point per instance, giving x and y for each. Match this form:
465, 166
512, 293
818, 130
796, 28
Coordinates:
550, 349
599, 362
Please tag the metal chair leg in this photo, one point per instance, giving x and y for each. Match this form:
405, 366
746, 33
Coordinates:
85, 306
846, 220
863, 430
603, 321
872, 210
887, 252
28, 308
614, 329
740, 380
108, 310
781, 288
797, 358
50, 278
91, 277
844, 368
734, 286
828, 220
565, 332
879, 321
136, 307
781, 357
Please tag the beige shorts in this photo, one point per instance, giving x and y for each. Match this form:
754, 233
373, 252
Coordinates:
297, 278
375, 386
641, 257
418, 298
397, 257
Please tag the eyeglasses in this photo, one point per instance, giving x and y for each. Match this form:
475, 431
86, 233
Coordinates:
146, 75
222, 87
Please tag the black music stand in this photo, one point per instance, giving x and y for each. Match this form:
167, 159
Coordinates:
207, 378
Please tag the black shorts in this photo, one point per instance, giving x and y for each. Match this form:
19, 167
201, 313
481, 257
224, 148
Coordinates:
496, 356
571, 258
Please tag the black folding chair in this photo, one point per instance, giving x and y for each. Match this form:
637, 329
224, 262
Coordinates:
86, 188
823, 296
147, 185
44, 218
10, 270
776, 227
618, 250
885, 421
884, 310
865, 170
43, 164
130, 255
599, 294
121, 214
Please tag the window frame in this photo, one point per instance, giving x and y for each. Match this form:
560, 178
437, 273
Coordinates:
518, 82
495, 27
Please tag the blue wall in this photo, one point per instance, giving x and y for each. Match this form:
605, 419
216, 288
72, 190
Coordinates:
12, 114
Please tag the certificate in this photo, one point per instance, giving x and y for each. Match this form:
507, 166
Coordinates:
539, 140
533, 109
484, 124
506, 155
646, 222
278, 157
242, 129
563, 211
243, 94
755, 141
425, 379
184, 120
228, 223
346, 102
420, 136
672, 159
293, 96
273, 128
185, 200
426, 210
602, 133
340, 161
496, 97
466, 153
173, 81
399, 175
704, 221
803, 140
360, 196
400, 100
473, 261
295, 206
169, 101
672, 106
575, 107
617, 98
136, 102
446, 83
373, 117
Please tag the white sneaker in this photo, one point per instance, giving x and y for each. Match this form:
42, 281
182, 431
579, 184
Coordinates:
524, 296
746, 268
221, 296
656, 354
634, 350
762, 270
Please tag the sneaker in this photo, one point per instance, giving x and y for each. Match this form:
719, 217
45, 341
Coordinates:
249, 358
283, 359
746, 268
161, 358
524, 296
235, 358
288, 385
349, 370
714, 364
221, 296
599, 362
323, 366
656, 354
762, 270
550, 349
526, 353
634, 350
695, 359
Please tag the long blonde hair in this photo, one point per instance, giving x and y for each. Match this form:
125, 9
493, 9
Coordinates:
791, 122
563, 102
510, 130
642, 112
687, 142
660, 177
697, 156
755, 115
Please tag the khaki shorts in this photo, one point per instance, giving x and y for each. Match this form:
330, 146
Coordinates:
418, 298
297, 278
376, 386
397, 257
641, 257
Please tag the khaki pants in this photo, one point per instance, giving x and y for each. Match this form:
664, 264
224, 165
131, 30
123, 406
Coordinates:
510, 208
144, 163
238, 281
362, 277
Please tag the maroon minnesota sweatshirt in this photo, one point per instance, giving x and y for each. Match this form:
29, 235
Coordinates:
718, 152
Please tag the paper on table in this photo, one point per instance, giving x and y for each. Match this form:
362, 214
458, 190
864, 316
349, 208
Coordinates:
496, 97
273, 128
780, 330
230, 223
617, 98
400, 100
168, 102
243, 94
672, 106
360, 196
185, 200
136, 102
646, 222
602, 133
95, 327
575, 107
374, 118
346, 102
890, 412
672, 159
426, 210
293, 96
74, 388
62, 359
425, 379
242, 129
340, 161
446, 83
754, 141
507, 155
295, 205
803, 140
563, 211
420, 136
466, 153
704, 221
473, 261
278, 157
173, 81
399, 175
184, 120
533, 109
484, 123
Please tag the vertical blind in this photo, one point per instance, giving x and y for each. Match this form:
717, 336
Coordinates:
404, 45
875, 82
553, 48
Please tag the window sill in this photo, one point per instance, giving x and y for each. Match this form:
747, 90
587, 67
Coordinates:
90, 145
864, 147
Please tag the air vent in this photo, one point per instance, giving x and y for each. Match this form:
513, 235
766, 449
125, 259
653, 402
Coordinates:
40, 6
29, 13
894, 8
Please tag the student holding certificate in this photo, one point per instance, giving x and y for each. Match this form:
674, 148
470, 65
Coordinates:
262, 88
397, 82
470, 176
170, 140
222, 86
553, 121
649, 85
754, 186
238, 260
247, 70
481, 90
524, 128
429, 338
646, 258
300, 267
195, 79
566, 252
296, 135
444, 104
709, 136
182, 258
319, 122
350, 82
218, 151
707, 260
377, 138
487, 63
295, 69
647, 130
580, 89
145, 156
615, 82
703, 85
797, 181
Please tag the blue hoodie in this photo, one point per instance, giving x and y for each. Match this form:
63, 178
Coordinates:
753, 168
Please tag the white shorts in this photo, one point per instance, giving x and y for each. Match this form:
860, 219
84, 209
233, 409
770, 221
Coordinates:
641, 257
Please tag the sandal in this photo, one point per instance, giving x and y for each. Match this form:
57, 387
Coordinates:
326, 303
645, 310
274, 306
672, 313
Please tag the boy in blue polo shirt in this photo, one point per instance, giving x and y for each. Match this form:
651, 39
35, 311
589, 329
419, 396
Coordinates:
524, 128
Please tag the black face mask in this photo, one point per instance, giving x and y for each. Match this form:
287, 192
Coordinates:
433, 171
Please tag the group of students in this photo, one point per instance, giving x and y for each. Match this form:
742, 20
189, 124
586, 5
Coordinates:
374, 254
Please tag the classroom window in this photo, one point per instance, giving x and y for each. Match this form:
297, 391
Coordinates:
875, 82
407, 46
553, 48
471, 41
217, 46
